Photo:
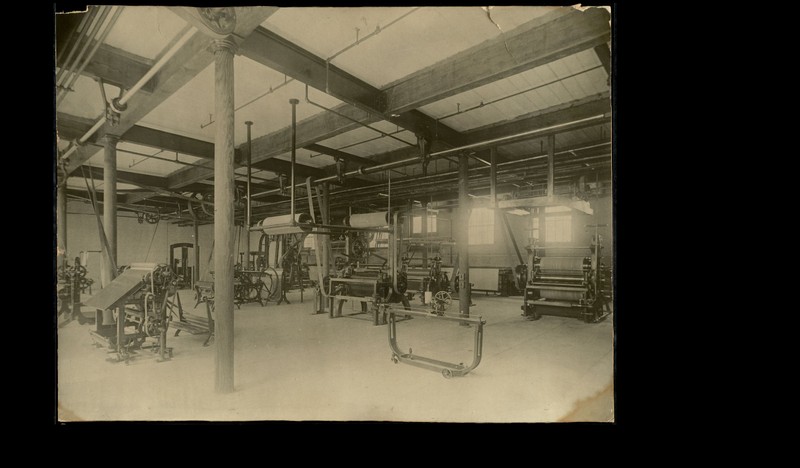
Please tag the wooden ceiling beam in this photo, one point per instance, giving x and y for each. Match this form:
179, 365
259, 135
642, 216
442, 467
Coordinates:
590, 106
538, 42
192, 58
604, 55
279, 54
116, 67
311, 130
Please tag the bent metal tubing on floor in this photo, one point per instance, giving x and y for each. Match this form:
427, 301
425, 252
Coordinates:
447, 369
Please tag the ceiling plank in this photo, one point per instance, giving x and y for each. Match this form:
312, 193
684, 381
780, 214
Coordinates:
192, 58
530, 45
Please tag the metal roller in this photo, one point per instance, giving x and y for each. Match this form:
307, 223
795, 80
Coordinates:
369, 220
572, 264
283, 224
555, 295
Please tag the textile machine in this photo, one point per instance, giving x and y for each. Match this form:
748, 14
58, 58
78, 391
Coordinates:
142, 299
373, 286
565, 285
71, 282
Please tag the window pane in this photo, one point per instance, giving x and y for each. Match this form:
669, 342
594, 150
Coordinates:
432, 223
481, 226
558, 229
416, 224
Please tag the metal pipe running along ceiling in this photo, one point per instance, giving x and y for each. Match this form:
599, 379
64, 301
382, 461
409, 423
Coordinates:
477, 181
531, 134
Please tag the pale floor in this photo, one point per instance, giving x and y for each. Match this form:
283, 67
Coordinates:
292, 365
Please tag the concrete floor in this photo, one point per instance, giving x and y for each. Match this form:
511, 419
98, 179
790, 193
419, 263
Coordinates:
291, 365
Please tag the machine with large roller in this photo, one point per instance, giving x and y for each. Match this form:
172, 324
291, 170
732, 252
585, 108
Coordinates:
277, 264
565, 285
372, 285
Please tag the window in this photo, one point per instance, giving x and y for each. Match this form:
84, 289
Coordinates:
379, 240
416, 224
481, 226
535, 227
558, 228
308, 243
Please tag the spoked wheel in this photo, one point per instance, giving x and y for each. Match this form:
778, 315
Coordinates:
447, 373
442, 299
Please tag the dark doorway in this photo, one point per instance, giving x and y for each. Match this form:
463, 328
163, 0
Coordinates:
179, 261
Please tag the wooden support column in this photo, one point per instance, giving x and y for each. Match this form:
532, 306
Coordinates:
110, 227
223, 212
551, 158
61, 223
110, 204
464, 297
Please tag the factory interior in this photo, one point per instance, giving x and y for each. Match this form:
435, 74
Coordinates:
400, 214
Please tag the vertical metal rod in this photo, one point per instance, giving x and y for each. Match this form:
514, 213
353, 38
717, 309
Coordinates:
551, 157
326, 219
424, 235
61, 222
464, 296
493, 176
223, 213
249, 124
196, 270
294, 103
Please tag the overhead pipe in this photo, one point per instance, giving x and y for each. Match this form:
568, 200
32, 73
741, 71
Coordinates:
95, 28
430, 180
559, 128
98, 42
308, 100
119, 104
444, 175
68, 65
